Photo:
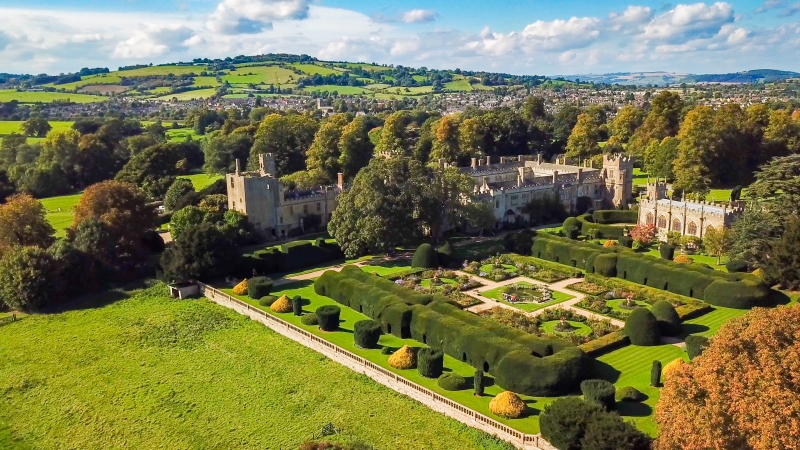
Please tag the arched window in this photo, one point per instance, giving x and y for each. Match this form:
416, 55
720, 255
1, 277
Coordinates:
650, 219
709, 228
692, 229
662, 222
676, 225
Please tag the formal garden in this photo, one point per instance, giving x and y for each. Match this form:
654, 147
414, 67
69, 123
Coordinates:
526, 296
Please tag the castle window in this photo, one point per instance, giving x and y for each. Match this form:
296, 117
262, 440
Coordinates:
514, 200
676, 225
319, 206
291, 210
497, 203
662, 222
692, 228
231, 181
305, 209
650, 219
281, 220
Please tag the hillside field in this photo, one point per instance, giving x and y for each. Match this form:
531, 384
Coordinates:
137, 369
7, 95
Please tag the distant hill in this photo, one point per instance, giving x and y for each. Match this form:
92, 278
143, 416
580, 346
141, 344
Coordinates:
748, 76
672, 78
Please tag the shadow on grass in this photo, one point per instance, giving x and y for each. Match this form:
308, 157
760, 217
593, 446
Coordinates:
632, 409
293, 285
605, 371
693, 328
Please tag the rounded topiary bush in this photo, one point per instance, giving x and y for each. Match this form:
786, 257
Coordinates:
626, 241
281, 305
571, 227
267, 300
452, 382
629, 394
446, 253
736, 265
241, 288
430, 362
424, 257
601, 392
642, 328
405, 358
367, 333
309, 319
328, 317
667, 251
507, 404
258, 287
496, 250
669, 323
695, 345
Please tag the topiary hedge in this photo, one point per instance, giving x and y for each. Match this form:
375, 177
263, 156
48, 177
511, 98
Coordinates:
669, 323
258, 287
297, 305
736, 265
430, 362
655, 374
309, 319
366, 333
267, 300
588, 227
288, 257
642, 328
477, 382
451, 381
695, 345
508, 405
626, 241
615, 216
403, 359
667, 251
424, 257
328, 317
629, 394
281, 305
601, 392
446, 254
571, 227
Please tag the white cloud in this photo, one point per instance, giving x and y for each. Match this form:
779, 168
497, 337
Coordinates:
769, 5
154, 41
419, 16
254, 16
561, 34
689, 21
633, 17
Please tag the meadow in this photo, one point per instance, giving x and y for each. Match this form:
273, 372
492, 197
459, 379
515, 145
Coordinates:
8, 95
189, 95
137, 369
343, 90
100, 78
261, 75
59, 211
314, 69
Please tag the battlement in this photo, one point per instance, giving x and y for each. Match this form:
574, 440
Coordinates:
617, 159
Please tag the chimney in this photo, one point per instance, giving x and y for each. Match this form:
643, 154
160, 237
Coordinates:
238, 170
591, 163
442, 164
539, 159
488, 161
473, 163
555, 176
520, 158
340, 180
580, 175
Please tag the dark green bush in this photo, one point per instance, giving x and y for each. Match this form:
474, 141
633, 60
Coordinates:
430, 362
666, 251
477, 381
425, 257
446, 254
386, 351
267, 300
695, 345
629, 394
571, 227
736, 265
601, 392
519, 242
655, 374
625, 241
615, 216
309, 319
496, 250
297, 305
599, 231
328, 317
367, 333
669, 323
609, 431
642, 328
452, 382
258, 287
563, 422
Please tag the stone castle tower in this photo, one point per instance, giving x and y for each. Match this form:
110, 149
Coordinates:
618, 176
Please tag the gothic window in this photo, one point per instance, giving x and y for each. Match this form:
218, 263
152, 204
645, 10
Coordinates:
281, 220
676, 225
514, 200
319, 207
692, 228
662, 222
650, 219
497, 203
709, 228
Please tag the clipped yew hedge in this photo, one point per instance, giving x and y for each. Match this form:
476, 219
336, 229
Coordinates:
289, 256
366, 333
615, 216
520, 362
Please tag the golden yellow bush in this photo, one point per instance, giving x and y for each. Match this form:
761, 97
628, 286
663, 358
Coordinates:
609, 243
241, 288
759, 273
682, 259
281, 305
507, 404
405, 358
671, 366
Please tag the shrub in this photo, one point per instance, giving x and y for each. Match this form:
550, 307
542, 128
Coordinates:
451, 381
563, 422
403, 359
328, 316
386, 351
258, 287
477, 381
667, 251
446, 254
267, 300
425, 257
669, 323
682, 259
615, 216
496, 250
736, 265
695, 345
605, 344
759, 273
655, 374
571, 227
241, 288
599, 391
609, 243
507, 404
281, 305
626, 241
297, 305
309, 319
629, 394
642, 327
671, 367
430, 362
367, 333
608, 430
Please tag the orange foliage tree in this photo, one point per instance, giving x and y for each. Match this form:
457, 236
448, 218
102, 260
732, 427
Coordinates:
23, 223
742, 392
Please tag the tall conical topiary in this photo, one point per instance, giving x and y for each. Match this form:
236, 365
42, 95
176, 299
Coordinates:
424, 257
669, 323
642, 328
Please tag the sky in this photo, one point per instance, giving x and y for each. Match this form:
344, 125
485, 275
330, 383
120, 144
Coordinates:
531, 37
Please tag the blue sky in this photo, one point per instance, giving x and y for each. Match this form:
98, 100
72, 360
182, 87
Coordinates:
516, 36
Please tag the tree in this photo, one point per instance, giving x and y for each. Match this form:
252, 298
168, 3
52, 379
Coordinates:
221, 151
716, 242
23, 223
644, 233
394, 137
609, 432
660, 156
563, 123
155, 168
28, 278
695, 151
324, 154
286, 137
179, 188
7, 188
783, 265
190, 216
214, 207
582, 142
751, 234
446, 141
36, 127
778, 184
739, 392
60, 150
661, 121
202, 252
479, 215
93, 238
623, 126
355, 148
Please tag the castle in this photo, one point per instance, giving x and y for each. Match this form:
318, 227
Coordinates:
688, 218
508, 185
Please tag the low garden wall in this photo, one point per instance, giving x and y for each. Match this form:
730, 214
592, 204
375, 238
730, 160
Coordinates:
385, 377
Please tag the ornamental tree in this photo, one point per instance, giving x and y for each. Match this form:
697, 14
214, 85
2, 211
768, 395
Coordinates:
741, 392
644, 233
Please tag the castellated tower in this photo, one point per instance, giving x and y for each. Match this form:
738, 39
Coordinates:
266, 164
618, 175
656, 190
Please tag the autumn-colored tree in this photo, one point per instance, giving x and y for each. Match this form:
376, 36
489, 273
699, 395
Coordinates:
23, 223
644, 233
582, 142
716, 242
695, 150
446, 140
355, 148
393, 137
324, 152
624, 125
659, 157
661, 121
741, 392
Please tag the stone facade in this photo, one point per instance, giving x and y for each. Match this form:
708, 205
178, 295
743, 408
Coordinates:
685, 217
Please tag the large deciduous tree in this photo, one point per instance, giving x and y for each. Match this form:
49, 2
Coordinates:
221, 151
286, 137
716, 242
28, 278
36, 127
741, 392
660, 156
324, 155
695, 152
202, 252
582, 142
623, 126
23, 223
661, 121
783, 265
355, 148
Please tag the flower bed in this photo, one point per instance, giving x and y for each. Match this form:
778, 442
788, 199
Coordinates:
582, 329
588, 288
618, 308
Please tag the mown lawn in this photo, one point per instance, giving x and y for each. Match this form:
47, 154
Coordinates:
8, 95
202, 180
59, 211
708, 324
138, 369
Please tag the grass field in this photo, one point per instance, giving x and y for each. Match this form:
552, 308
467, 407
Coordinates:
138, 369
343, 90
11, 126
160, 71
206, 81
100, 78
705, 259
369, 67
59, 211
261, 75
313, 69
202, 180
717, 195
180, 134
7, 95
708, 324
190, 95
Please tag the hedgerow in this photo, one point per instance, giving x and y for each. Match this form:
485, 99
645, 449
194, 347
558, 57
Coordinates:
288, 257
